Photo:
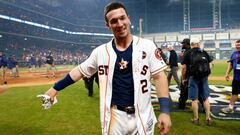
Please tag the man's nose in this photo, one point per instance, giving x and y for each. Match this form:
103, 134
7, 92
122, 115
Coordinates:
120, 22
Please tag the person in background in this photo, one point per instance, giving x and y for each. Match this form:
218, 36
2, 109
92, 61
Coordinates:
12, 62
50, 65
17, 66
89, 83
184, 86
234, 64
173, 64
33, 63
164, 57
198, 83
3, 66
39, 61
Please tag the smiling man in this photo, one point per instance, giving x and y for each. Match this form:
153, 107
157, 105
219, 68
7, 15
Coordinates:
125, 67
234, 64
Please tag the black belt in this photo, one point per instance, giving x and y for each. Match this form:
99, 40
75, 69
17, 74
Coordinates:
127, 109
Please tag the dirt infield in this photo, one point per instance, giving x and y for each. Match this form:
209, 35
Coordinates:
216, 78
39, 78
34, 78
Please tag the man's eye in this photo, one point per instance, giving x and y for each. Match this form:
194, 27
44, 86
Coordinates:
113, 21
123, 18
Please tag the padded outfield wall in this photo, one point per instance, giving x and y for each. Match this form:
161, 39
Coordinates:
218, 43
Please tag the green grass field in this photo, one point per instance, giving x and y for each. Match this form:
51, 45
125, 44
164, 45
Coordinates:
219, 68
77, 114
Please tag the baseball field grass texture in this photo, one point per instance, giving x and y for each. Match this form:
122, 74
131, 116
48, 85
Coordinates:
77, 114
219, 68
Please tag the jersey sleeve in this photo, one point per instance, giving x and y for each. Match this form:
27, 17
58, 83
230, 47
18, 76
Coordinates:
156, 62
89, 66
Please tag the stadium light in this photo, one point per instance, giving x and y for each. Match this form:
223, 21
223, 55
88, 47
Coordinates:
53, 28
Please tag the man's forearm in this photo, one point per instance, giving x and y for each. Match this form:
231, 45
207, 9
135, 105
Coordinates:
161, 85
69, 79
162, 92
184, 70
51, 93
229, 69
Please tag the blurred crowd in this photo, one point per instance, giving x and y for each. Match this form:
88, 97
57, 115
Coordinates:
36, 55
37, 12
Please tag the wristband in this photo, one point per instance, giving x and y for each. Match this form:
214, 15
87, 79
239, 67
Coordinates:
164, 104
66, 81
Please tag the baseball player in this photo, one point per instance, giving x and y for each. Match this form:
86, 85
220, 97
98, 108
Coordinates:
3, 66
125, 66
33, 63
50, 65
12, 63
89, 83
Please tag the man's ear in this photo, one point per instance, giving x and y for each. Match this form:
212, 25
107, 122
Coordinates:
129, 20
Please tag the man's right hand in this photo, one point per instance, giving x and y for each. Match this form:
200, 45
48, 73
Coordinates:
227, 77
49, 98
46, 101
184, 82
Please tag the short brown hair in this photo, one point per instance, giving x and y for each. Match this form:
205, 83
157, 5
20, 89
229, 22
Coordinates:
112, 6
238, 41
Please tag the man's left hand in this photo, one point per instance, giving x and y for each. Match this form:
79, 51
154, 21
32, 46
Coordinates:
164, 123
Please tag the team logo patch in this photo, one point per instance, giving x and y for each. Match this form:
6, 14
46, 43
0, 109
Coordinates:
144, 55
123, 64
158, 55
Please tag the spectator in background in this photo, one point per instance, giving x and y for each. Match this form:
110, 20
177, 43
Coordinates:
173, 63
198, 83
3, 66
28, 61
33, 63
164, 57
184, 86
12, 63
234, 64
39, 61
50, 65
89, 83
17, 67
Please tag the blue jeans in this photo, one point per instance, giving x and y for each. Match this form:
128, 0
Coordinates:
198, 86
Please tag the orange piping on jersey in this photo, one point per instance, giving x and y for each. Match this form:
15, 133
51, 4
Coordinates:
104, 121
156, 71
141, 120
138, 40
137, 104
84, 73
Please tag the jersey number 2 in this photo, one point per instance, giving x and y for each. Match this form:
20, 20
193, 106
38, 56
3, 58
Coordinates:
144, 86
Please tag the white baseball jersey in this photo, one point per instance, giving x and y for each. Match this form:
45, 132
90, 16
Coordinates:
146, 61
